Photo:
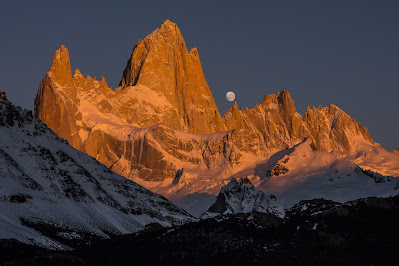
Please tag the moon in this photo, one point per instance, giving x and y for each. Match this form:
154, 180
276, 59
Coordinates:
230, 96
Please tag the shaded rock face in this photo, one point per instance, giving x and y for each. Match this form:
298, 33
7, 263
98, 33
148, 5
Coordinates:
162, 63
163, 84
11, 115
240, 196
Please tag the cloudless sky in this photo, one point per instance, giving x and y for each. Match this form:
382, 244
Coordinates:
322, 52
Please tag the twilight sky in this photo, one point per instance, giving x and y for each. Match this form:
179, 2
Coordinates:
322, 52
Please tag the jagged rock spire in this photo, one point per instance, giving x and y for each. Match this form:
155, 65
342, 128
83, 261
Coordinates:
77, 73
60, 69
55, 102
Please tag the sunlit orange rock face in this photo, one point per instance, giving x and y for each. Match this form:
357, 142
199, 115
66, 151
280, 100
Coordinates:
162, 63
163, 116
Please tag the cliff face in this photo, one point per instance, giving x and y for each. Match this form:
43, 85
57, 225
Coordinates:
148, 128
158, 152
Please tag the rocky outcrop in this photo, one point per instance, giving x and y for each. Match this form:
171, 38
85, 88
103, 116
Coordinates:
3, 97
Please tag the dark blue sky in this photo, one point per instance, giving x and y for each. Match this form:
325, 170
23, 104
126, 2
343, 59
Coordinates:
340, 52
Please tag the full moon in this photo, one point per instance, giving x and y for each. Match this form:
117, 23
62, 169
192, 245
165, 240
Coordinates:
230, 96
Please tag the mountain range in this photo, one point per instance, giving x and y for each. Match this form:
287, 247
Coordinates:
162, 129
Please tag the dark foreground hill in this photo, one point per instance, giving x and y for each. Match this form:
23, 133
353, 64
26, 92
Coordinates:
364, 231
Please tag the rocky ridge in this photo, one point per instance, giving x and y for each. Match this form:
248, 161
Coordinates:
279, 125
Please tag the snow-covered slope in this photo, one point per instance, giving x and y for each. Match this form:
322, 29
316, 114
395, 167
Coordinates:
52, 194
300, 173
375, 158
